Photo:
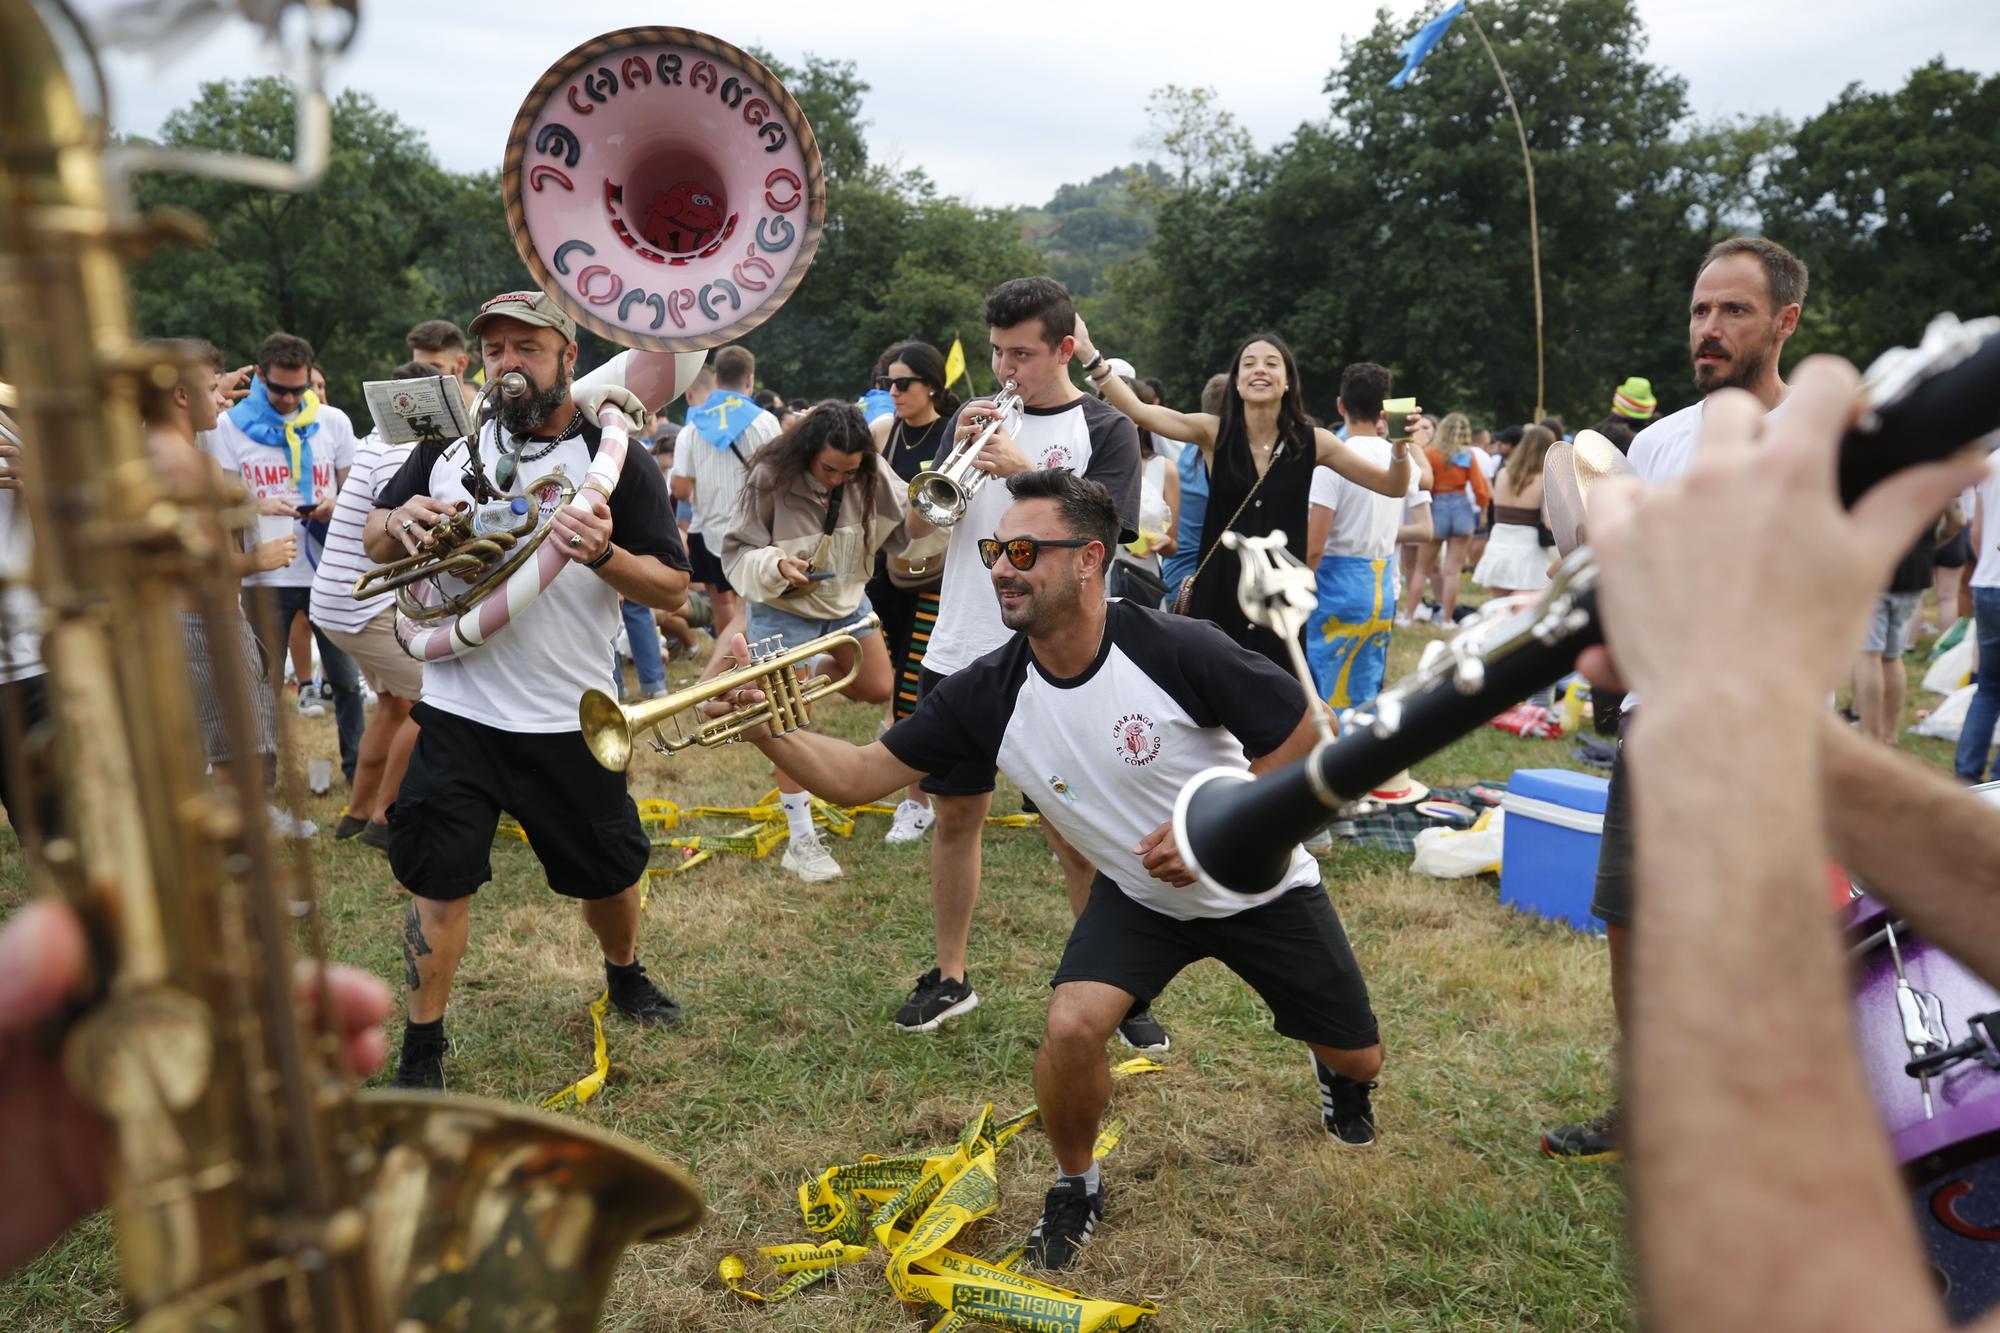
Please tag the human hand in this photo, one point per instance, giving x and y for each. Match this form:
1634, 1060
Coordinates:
234, 384
582, 535
797, 572
52, 1155
282, 505
10, 464
738, 654
1161, 856
999, 456
412, 521
323, 511
1086, 350
1689, 573
276, 554
592, 399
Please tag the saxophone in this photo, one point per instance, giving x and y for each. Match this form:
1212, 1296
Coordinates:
251, 1187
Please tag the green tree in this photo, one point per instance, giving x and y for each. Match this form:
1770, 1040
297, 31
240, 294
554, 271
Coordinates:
342, 266
1891, 198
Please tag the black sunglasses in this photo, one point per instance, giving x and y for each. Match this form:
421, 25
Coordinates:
1022, 552
273, 389
901, 383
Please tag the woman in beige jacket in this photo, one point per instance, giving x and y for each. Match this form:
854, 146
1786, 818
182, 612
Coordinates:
818, 504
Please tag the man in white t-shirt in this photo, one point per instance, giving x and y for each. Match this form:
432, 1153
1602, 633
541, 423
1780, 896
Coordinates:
288, 446
1105, 708
1748, 294
1352, 530
1031, 322
498, 723
712, 456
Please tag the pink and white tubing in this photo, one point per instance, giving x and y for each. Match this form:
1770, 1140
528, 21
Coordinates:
454, 636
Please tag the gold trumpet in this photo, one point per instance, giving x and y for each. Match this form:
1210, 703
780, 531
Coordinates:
609, 726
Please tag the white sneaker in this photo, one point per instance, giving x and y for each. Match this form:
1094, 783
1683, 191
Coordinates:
288, 825
810, 861
310, 704
911, 823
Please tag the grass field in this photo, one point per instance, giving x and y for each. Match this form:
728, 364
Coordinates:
1229, 1207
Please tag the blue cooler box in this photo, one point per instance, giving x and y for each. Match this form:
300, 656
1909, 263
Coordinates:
1548, 858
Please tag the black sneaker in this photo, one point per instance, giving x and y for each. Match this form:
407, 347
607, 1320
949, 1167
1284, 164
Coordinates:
1070, 1214
376, 835
1598, 1140
1344, 1107
637, 997
350, 826
1142, 1032
421, 1068
935, 999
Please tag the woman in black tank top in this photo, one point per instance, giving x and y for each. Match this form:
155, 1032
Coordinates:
1260, 450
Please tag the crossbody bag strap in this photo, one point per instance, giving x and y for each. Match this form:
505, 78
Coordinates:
1247, 497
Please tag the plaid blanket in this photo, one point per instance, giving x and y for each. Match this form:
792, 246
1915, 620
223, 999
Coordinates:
1395, 827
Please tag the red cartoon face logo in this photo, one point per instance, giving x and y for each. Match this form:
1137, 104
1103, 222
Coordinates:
682, 218
1137, 739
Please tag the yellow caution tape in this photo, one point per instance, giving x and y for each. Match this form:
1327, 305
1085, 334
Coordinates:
592, 1083
914, 1207
686, 862
1019, 820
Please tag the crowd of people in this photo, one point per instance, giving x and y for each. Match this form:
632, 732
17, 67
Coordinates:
1077, 628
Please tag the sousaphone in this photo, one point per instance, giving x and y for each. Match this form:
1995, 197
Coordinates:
665, 188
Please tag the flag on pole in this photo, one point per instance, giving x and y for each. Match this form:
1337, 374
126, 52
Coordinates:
954, 363
1420, 45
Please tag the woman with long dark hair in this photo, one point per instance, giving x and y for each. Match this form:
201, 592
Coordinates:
905, 594
1260, 452
818, 504
1515, 559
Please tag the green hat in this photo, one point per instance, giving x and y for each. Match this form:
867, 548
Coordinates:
1634, 399
530, 308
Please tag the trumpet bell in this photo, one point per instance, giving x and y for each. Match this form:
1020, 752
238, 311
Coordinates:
606, 730
938, 498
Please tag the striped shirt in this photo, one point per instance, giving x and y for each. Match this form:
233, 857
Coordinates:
343, 561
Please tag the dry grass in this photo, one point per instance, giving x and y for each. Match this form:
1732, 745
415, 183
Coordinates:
1229, 1207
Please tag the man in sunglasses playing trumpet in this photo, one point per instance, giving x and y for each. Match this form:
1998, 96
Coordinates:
1103, 710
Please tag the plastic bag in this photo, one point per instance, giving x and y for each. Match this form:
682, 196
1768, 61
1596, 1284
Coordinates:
1444, 853
1948, 718
1951, 638
1953, 667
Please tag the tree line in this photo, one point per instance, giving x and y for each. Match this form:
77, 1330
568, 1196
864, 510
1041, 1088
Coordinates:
1392, 229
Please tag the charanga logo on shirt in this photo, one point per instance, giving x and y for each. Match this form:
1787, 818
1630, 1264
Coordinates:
1137, 739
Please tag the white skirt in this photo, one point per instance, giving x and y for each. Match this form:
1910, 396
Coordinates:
1515, 559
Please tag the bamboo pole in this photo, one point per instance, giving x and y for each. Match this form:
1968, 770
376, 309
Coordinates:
1534, 223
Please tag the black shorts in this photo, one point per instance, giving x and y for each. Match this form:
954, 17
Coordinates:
1291, 950
577, 814
1615, 867
1956, 553
704, 567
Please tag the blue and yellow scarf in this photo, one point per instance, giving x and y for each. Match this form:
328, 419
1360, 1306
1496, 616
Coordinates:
255, 417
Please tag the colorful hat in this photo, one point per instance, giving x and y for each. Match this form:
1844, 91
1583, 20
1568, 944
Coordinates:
1634, 399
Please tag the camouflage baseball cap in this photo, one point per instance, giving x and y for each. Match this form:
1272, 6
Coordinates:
530, 308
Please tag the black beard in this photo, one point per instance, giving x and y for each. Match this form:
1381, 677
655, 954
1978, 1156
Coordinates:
1743, 371
525, 415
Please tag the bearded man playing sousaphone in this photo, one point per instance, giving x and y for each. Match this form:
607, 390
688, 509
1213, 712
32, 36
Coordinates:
499, 723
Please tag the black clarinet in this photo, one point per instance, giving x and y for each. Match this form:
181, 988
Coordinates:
1925, 404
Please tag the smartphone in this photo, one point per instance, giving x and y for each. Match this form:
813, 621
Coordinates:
819, 578
304, 511
1399, 411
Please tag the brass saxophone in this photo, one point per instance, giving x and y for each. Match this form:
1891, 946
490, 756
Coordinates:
250, 1186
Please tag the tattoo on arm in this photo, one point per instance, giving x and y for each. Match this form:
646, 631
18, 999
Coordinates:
414, 945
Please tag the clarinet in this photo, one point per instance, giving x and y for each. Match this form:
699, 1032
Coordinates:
1922, 405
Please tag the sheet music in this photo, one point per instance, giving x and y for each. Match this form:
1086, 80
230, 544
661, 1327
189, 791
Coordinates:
407, 411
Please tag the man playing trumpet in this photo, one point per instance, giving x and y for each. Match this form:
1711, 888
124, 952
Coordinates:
499, 724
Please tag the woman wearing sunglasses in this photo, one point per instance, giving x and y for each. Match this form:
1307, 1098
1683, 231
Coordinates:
818, 505
1260, 454
905, 594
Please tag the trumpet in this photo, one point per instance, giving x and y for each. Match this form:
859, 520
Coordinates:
940, 494
609, 726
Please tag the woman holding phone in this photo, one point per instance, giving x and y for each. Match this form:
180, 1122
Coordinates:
817, 506
1260, 452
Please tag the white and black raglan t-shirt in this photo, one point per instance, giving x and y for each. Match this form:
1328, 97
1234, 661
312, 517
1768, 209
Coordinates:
1105, 754
531, 674
1085, 435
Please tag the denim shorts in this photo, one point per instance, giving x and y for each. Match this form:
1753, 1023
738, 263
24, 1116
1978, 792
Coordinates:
767, 621
1452, 515
1889, 627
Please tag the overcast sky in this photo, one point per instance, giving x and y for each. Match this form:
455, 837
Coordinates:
999, 120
